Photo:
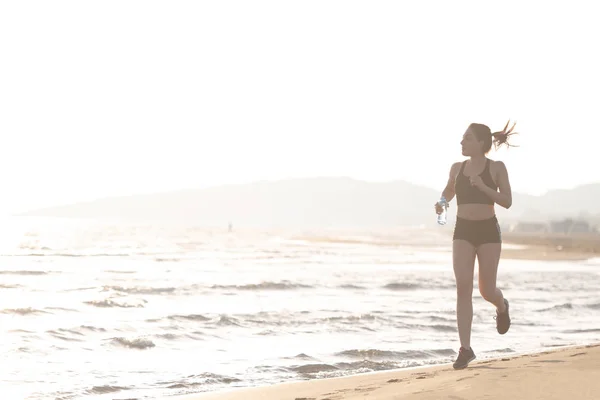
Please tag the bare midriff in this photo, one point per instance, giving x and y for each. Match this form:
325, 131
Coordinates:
475, 211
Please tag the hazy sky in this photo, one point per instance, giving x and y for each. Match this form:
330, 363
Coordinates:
120, 97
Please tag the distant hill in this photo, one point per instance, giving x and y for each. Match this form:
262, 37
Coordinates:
555, 204
315, 202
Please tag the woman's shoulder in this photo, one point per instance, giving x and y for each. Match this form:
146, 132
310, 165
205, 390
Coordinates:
456, 166
497, 165
455, 169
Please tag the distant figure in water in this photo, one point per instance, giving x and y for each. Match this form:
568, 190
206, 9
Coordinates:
478, 183
230, 227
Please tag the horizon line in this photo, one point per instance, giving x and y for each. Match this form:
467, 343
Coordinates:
263, 181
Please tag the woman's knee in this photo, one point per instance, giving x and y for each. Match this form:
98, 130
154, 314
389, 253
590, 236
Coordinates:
487, 292
464, 289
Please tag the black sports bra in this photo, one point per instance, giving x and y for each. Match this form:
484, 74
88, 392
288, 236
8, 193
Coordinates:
467, 194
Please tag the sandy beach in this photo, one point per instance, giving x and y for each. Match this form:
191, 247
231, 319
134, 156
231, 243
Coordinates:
549, 247
556, 374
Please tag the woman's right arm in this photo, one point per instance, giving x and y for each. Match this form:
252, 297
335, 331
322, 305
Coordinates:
448, 191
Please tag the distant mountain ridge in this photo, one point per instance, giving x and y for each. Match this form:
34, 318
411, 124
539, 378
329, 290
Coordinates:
317, 202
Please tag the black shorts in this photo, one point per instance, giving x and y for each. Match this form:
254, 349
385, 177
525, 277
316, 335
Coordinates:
478, 232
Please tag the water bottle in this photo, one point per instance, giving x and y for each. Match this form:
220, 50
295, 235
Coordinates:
441, 218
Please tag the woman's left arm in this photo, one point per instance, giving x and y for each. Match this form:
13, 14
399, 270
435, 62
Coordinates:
503, 196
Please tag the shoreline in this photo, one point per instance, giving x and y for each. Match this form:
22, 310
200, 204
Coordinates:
530, 378
530, 246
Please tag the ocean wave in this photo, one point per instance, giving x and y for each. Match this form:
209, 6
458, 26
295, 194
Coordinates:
326, 370
78, 289
284, 285
60, 309
70, 331
168, 336
570, 306
437, 318
112, 271
347, 319
403, 286
275, 319
67, 255
108, 303
590, 330
367, 365
565, 306
59, 334
24, 350
350, 286
106, 389
140, 290
313, 368
20, 331
139, 343
267, 332
225, 320
23, 311
301, 356
436, 327
204, 379
190, 317
294, 319
30, 272
219, 320
323, 370
425, 284
75, 333
92, 328
375, 354
5, 286
271, 322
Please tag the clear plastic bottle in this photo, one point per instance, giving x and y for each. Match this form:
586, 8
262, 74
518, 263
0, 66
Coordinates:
442, 217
